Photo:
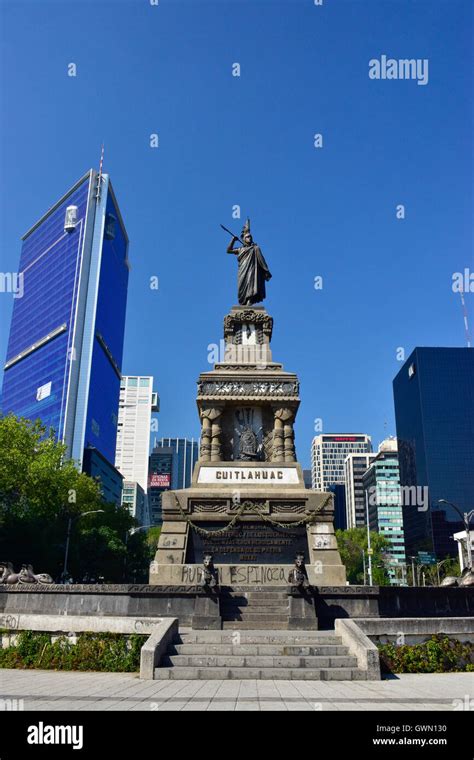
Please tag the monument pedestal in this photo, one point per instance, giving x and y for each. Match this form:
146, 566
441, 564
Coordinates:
247, 506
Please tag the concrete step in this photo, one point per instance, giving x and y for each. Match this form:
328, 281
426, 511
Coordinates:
255, 604
249, 625
274, 609
281, 650
255, 598
258, 636
264, 617
257, 661
286, 674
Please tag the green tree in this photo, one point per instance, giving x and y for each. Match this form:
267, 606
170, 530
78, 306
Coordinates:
352, 543
39, 491
152, 538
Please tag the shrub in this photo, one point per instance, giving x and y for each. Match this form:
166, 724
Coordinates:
113, 652
437, 655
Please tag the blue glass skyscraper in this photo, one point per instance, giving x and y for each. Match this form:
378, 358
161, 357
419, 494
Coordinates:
434, 410
64, 354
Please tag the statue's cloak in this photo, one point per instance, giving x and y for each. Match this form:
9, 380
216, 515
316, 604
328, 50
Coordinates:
253, 272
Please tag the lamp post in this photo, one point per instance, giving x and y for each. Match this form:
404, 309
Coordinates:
369, 548
413, 579
363, 563
68, 537
466, 517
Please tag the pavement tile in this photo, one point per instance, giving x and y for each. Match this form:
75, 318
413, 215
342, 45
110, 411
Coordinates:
52, 690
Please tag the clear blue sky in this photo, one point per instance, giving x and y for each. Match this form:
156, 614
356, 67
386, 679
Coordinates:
248, 140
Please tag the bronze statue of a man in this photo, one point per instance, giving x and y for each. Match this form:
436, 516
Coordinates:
253, 270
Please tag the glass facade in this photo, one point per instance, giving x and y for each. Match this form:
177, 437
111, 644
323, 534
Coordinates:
97, 466
382, 485
42, 328
108, 344
434, 410
64, 355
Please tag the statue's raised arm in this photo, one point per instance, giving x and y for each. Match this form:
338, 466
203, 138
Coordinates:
253, 271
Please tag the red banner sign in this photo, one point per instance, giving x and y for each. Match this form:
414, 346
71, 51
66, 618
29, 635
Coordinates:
159, 480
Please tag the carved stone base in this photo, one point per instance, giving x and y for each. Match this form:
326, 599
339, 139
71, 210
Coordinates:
266, 524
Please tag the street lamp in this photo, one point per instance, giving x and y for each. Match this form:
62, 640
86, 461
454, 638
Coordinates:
68, 538
369, 548
363, 563
466, 518
132, 531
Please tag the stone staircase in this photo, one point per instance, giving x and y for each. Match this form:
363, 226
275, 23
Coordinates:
254, 609
259, 654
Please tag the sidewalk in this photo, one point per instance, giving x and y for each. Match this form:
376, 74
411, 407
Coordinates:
50, 690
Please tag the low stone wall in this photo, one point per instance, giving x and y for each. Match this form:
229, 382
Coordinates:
359, 645
156, 645
193, 605
60, 624
391, 602
198, 608
416, 630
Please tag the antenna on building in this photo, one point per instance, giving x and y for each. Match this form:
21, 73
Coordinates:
466, 322
99, 176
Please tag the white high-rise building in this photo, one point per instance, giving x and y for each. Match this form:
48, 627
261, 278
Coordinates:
355, 467
328, 454
137, 402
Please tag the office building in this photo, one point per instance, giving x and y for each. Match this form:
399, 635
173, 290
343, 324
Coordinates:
171, 466
64, 357
434, 411
136, 404
328, 454
340, 510
381, 483
308, 483
355, 466
133, 497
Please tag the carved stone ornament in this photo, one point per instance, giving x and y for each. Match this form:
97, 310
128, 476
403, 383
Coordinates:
248, 388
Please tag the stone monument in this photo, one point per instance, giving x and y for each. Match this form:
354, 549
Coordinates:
247, 505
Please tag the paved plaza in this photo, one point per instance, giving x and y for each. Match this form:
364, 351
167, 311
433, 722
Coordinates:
50, 690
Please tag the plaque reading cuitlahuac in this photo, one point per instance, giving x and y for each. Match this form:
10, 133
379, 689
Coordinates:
247, 542
252, 475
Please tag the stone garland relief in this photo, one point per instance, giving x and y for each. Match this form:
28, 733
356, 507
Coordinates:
247, 388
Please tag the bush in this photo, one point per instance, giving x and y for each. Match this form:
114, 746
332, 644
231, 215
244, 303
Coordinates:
113, 652
437, 655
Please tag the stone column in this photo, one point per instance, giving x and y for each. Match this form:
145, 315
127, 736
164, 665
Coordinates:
205, 452
283, 437
216, 435
277, 449
289, 440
